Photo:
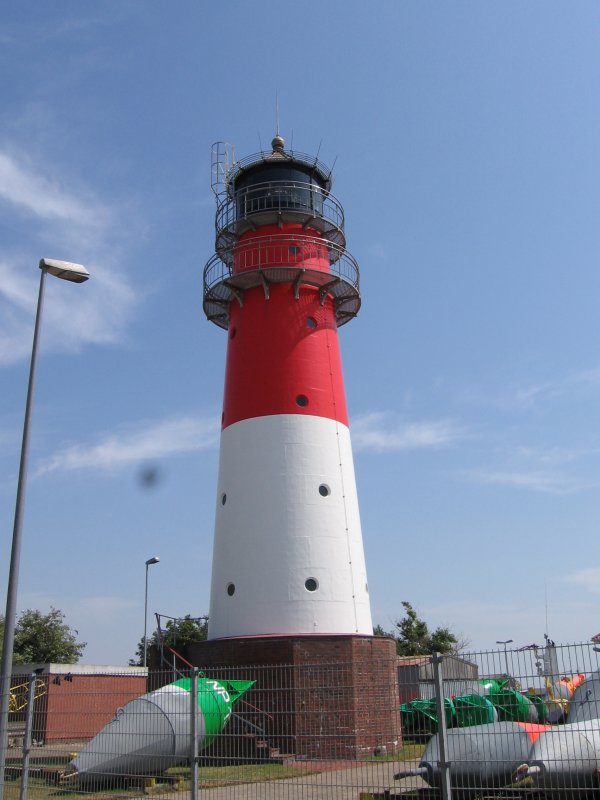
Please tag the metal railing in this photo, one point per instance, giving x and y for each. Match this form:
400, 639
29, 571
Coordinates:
282, 258
288, 155
319, 730
272, 202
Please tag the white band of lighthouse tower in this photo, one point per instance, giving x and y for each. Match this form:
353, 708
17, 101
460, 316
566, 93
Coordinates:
288, 555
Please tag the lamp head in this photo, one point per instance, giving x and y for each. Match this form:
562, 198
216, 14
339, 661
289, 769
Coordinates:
66, 270
153, 560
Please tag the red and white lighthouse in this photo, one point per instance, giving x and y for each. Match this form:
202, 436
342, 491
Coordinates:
288, 555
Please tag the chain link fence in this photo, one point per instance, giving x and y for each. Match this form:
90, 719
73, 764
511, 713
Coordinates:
504, 723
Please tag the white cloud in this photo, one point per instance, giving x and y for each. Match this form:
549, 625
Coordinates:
528, 396
536, 480
101, 609
61, 223
104, 609
588, 578
28, 190
157, 440
377, 250
377, 431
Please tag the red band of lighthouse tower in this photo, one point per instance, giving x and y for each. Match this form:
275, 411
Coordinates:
288, 556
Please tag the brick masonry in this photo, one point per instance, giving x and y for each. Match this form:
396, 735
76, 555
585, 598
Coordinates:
317, 697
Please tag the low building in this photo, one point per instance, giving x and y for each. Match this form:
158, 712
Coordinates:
415, 677
73, 701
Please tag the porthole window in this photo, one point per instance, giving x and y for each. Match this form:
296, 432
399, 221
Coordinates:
302, 400
223, 499
231, 589
311, 322
324, 490
293, 250
311, 584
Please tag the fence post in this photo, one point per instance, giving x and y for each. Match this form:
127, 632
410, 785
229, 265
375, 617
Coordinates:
194, 734
444, 764
28, 730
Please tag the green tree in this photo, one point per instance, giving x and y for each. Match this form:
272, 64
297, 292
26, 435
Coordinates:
413, 637
378, 631
44, 639
178, 633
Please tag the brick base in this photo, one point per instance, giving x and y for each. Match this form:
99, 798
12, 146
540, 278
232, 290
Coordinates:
318, 697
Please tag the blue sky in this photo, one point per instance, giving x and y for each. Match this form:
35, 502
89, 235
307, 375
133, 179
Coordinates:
465, 139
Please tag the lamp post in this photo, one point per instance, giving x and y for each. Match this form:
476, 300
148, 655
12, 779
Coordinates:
150, 561
505, 642
76, 273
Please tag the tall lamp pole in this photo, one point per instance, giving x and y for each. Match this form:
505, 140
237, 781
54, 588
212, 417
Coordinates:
150, 561
505, 642
76, 273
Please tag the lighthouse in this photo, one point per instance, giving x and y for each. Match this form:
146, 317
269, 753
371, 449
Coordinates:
288, 555
289, 584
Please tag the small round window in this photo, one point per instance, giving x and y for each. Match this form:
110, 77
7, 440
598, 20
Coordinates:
302, 400
311, 322
324, 490
223, 499
311, 584
294, 250
231, 589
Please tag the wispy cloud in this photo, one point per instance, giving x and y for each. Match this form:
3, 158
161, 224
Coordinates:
68, 223
525, 396
377, 250
557, 455
380, 432
567, 384
535, 480
588, 578
510, 398
105, 608
30, 191
156, 440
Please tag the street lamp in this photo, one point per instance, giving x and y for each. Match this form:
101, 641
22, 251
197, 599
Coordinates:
76, 273
505, 642
150, 561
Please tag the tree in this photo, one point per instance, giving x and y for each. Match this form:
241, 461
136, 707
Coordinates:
178, 633
414, 639
378, 631
44, 639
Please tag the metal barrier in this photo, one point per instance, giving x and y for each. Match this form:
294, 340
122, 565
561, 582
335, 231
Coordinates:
505, 723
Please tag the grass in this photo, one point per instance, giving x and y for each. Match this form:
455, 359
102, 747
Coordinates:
210, 777
179, 777
40, 790
408, 752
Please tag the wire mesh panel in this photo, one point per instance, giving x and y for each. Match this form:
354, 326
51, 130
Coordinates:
528, 726
518, 723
